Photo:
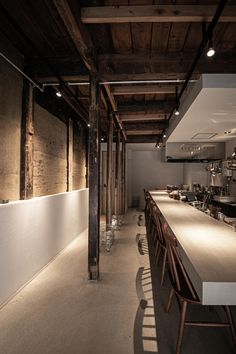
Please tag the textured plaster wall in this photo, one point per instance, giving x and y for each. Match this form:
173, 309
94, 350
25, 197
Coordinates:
145, 169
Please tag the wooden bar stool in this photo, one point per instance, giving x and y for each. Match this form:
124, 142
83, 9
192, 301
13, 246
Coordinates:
161, 248
186, 294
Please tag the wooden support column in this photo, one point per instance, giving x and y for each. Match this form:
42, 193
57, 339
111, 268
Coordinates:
109, 194
118, 174
69, 155
87, 160
27, 147
123, 173
94, 165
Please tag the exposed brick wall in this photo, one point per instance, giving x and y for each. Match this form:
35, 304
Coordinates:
79, 158
50, 160
11, 84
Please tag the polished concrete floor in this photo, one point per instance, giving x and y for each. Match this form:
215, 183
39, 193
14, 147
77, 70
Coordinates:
60, 311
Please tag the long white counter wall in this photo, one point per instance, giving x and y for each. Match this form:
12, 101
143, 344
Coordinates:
34, 231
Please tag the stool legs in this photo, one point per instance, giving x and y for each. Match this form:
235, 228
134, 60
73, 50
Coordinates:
181, 326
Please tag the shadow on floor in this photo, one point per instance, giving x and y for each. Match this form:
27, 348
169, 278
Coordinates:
142, 244
145, 341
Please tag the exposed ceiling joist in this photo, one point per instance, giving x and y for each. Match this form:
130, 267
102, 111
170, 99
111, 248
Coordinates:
157, 106
145, 126
141, 117
75, 106
78, 34
142, 139
143, 90
172, 64
143, 132
114, 107
155, 13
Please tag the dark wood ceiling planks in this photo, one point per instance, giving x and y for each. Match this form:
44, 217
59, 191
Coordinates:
124, 51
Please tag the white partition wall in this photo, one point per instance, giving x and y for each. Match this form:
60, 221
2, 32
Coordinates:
34, 231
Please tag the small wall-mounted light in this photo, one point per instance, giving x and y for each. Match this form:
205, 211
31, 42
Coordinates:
102, 138
58, 93
88, 125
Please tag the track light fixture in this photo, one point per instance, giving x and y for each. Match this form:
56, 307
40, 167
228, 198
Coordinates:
58, 93
176, 111
158, 144
59, 90
164, 132
234, 153
210, 50
177, 102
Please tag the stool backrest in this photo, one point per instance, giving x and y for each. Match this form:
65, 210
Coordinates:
180, 279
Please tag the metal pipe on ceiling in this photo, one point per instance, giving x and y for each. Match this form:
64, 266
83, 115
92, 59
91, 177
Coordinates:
86, 83
35, 84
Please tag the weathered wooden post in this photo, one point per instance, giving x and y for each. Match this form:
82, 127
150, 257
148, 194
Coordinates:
69, 155
109, 196
123, 172
27, 147
118, 175
94, 165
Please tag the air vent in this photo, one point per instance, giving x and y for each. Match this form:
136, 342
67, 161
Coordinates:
204, 136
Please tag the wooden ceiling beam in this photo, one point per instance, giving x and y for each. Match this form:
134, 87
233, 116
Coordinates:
159, 57
144, 132
142, 90
147, 106
114, 107
141, 117
75, 106
163, 64
155, 13
143, 139
78, 34
144, 126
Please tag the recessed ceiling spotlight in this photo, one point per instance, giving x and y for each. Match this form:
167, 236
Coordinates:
58, 93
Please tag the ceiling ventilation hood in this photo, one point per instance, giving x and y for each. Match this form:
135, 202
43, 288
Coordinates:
194, 152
